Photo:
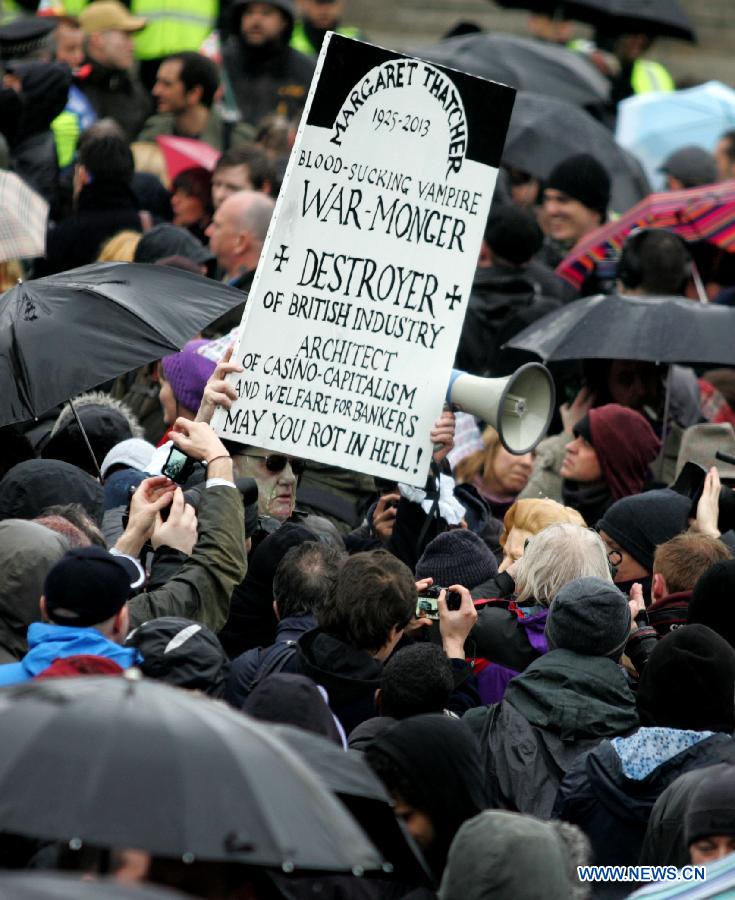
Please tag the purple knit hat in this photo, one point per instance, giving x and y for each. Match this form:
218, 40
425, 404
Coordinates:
188, 372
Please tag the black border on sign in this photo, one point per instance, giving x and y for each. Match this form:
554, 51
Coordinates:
488, 105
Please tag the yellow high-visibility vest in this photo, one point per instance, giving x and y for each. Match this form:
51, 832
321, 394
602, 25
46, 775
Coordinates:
74, 7
650, 76
174, 26
66, 131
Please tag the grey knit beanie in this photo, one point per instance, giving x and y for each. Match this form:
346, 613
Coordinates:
589, 616
458, 556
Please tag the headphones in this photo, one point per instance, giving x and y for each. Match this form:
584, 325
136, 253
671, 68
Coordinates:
630, 270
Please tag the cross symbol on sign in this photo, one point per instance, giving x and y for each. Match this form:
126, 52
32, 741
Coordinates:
453, 297
280, 258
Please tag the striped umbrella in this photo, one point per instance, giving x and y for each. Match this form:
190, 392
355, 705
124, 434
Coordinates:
704, 213
23, 219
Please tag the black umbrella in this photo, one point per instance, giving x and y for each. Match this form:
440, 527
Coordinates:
120, 762
547, 7
661, 329
524, 64
544, 131
57, 886
67, 333
353, 781
665, 18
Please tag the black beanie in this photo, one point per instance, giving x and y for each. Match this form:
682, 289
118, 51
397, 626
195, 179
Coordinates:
713, 600
87, 586
589, 616
582, 178
689, 682
513, 234
641, 522
458, 556
711, 808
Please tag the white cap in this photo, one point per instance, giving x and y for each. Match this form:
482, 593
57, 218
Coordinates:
134, 453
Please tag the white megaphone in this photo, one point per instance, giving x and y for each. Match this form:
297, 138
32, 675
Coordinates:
518, 407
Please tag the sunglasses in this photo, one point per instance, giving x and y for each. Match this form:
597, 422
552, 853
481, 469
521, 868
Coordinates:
275, 462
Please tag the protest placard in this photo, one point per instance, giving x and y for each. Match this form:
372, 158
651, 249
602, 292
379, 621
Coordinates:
356, 308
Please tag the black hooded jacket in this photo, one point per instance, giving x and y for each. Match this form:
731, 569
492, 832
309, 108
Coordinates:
45, 89
349, 675
503, 301
266, 82
664, 843
266, 79
437, 759
103, 209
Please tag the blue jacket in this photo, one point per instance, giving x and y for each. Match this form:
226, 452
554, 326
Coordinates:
48, 642
245, 667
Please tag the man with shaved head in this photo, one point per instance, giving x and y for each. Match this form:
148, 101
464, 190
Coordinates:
236, 236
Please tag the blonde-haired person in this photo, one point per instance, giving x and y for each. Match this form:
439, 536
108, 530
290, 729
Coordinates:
120, 247
526, 518
511, 634
497, 475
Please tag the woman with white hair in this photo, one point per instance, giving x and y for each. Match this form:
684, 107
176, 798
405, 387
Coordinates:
510, 634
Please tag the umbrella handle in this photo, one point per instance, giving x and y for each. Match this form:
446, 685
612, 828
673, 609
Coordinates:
698, 283
664, 426
86, 439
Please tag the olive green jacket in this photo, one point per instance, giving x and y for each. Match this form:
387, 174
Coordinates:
202, 588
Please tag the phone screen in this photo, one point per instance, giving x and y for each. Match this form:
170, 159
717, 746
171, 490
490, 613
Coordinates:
178, 466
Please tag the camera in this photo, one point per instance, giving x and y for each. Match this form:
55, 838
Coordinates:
428, 608
178, 466
428, 601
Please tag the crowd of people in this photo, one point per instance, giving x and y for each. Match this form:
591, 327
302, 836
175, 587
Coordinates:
530, 663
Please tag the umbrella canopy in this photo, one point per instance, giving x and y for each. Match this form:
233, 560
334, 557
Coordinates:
652, 329
704, 213
58, 886
663, 18
524, 64
121, 762
544, 131
353, 781
23, 219
71, 332
654, 125
185, 153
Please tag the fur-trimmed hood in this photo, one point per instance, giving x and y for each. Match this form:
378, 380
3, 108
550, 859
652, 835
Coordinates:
106, 422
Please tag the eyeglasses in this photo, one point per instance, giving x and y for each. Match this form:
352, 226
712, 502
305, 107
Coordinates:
276, 462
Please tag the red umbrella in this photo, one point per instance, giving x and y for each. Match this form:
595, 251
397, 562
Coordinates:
705, 213
185, 153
